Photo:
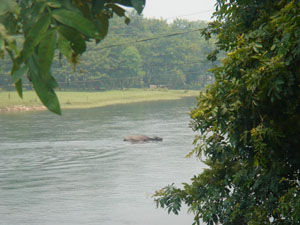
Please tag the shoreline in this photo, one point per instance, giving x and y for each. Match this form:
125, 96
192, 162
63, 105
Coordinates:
21, 108
75, 100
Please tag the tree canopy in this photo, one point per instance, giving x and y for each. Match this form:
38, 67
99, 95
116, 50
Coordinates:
248, 121
48, 25
169, 54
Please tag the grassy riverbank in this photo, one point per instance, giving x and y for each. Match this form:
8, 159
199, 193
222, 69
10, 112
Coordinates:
10, 101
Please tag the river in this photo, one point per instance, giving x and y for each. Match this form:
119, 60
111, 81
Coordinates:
76, 169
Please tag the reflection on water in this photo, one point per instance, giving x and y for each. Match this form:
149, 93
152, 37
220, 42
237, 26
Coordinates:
76, 169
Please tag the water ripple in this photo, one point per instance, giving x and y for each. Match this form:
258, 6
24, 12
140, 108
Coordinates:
76, 169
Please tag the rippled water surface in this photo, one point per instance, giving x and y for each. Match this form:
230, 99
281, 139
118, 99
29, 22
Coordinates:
76, 169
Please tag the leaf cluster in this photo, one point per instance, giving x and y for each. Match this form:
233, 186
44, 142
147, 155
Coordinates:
249, 118
48, 25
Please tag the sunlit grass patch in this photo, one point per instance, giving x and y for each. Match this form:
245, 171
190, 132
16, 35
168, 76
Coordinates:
72, 100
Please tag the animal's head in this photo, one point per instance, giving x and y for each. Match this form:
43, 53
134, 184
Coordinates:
157, 138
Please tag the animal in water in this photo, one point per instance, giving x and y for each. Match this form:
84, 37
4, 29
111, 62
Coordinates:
141, 138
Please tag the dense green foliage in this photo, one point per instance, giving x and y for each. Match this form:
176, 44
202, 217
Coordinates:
248, 120
120, 61
137, 54
44, 26
177, 61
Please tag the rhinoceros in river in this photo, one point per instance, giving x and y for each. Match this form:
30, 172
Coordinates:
141, 138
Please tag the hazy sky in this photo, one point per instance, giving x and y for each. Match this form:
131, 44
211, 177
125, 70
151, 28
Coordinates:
185, 9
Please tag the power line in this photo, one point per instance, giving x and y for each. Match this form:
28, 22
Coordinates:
166, 65
191, 14
136, 34
151, 38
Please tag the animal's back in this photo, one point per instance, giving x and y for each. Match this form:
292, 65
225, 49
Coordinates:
136, 138
141, 138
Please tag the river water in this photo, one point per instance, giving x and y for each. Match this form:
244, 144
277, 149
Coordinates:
75, 169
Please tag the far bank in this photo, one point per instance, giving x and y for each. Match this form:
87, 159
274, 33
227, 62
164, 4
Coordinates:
11, 102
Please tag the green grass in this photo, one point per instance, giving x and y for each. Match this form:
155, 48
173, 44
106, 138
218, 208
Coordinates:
75, 100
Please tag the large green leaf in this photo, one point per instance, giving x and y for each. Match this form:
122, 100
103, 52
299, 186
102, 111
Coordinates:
64, 46
52, 83
138, 5
75, 38
102, 25
43, 87
18, 74
35, 35
31, 14
98, 5
46, 51
37, 10
34, 67
19, 89
75, 20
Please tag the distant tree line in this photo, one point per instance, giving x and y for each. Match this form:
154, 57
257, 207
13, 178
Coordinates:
145, 52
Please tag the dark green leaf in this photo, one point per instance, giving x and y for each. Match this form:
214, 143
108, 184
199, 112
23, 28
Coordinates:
77, 42
18, 86
64, 47
84, 8
138, 5
33, 66
127, 21
76, 21
102, 25
35, 35
37, 9
51, 81
98, 5
18, 74
43, 88
46, 51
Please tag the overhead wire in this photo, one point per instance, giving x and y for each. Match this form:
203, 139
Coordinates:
150, 38
191, 14
155, 38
